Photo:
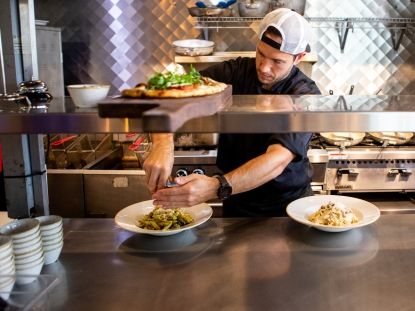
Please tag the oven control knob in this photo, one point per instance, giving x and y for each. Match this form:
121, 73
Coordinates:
198, 171
181, 172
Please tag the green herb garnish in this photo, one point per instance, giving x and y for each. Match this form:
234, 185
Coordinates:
161, 81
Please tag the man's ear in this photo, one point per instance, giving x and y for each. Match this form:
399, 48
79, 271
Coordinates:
299, 57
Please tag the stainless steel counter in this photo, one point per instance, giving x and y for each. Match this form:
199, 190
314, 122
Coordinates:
246, 114
237, 264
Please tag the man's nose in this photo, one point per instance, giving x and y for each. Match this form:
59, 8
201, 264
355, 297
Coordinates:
264, 65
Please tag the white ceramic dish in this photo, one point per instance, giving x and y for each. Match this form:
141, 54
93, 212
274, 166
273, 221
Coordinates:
7, 268
29, 254
24, 260
53, 237
28, 274
6, 288
49, 222
27, 244
26, 265
300, 209
21, 228
128, 217
5, 279
50, 232
27, 238
52, 244
6, 252
88, 95
5, 242
53, 254
6, 259
27, 250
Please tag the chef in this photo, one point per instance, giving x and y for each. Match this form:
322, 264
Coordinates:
263, 173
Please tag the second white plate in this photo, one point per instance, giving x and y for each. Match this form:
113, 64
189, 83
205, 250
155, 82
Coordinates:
300, 209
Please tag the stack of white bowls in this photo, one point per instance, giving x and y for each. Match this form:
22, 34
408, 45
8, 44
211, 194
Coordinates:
7, 269
27, 248
51, 230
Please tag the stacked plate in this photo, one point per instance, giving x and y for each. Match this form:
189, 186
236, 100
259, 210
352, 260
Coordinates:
7, 268
27, 248
51, 230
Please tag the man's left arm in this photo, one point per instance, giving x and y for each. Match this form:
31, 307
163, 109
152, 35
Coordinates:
195, 189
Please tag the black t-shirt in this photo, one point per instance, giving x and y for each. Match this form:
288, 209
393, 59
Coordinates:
236, 149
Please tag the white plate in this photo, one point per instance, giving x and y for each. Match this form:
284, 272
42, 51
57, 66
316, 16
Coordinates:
300, 209
128, 217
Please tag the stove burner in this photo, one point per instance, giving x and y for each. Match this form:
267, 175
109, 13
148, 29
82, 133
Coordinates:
318, 142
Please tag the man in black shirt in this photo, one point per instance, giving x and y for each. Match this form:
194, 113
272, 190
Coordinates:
263, 172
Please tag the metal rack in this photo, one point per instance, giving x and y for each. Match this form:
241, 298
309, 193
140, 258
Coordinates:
397, 26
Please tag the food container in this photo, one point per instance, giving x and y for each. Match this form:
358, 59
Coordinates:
343, 139
193, 47
253, 8
198, 12
88, 95
391, 138
296, 5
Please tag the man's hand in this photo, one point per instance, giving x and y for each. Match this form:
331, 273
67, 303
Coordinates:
191, 190
159, 163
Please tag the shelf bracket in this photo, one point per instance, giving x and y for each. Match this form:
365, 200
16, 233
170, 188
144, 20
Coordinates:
205, 33
343, 30
397, 35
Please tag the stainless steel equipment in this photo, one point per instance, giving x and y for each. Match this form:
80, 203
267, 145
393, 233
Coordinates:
202, 161
5, 99
193, 47
370, 166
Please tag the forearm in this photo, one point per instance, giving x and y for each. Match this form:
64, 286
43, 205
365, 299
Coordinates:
259, 170
163, 140
159, 162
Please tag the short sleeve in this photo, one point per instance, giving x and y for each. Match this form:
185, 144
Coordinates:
297, 143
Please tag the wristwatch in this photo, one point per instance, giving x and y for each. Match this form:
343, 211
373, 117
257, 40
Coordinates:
225, 189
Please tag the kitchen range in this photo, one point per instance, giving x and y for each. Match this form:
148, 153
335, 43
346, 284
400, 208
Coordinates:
85, 163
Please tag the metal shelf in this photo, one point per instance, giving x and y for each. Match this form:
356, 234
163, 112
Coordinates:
398, 26
223, 56
226, 22
246, 114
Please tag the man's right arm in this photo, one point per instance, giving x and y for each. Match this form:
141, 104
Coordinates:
159, 163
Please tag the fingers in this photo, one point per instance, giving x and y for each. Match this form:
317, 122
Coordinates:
182, 180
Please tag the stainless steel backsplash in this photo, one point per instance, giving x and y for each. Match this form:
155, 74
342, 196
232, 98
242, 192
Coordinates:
122, 42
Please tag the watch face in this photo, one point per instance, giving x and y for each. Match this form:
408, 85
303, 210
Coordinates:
225, 192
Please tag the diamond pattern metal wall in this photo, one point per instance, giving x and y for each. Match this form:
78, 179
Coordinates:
116, 41
369, 60
123, 41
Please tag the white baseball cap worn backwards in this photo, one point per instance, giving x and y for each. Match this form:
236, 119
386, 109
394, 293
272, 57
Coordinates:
295, 31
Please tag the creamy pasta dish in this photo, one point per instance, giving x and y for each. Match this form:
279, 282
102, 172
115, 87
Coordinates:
165, 219
332, 214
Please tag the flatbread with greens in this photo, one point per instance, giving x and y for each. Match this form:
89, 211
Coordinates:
175, 85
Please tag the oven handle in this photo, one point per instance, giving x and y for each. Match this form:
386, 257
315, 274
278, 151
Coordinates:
347, 171
401, 171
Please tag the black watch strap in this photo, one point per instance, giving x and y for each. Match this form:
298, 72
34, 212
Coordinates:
225, 189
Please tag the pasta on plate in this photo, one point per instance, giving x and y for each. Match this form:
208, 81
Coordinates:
332, 214
165, 219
